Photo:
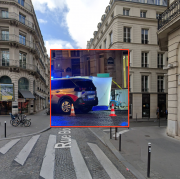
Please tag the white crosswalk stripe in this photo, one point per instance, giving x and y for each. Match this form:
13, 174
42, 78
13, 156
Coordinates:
81, 169
105, 162
24, 153
8, 146
47, 169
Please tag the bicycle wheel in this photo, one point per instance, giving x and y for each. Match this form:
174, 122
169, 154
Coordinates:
15, 123
27, 123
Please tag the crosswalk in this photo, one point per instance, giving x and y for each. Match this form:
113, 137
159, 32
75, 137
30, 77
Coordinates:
47, 170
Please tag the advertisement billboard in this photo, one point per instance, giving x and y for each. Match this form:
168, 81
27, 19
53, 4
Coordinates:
6, 92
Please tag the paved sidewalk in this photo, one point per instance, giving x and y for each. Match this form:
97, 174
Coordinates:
165, 158
39, 122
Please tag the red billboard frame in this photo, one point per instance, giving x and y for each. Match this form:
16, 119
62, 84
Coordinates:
90, 126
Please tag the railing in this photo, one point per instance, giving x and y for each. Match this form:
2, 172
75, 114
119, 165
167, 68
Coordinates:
17, 63
40, 75
12, 37
12, 15
160, 66
145, 89
160, 90
144, 65
42, 63
144, 41
153, 2
169, 14
22, 3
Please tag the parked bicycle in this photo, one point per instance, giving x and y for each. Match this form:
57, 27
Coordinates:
24, 121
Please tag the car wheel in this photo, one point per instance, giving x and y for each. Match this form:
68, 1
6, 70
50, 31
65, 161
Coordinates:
86, 109
65, 106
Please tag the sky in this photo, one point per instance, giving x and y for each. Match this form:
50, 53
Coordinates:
68, 24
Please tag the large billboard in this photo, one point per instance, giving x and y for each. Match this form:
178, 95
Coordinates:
6, 92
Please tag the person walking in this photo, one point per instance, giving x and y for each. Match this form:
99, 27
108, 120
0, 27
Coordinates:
157, 113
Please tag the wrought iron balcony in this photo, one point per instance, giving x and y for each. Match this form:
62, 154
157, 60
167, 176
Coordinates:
145, 90
22, 3
15, 38
127, 40
145, 65
144, 41
12, 15
160, 90
160, 66
169, 14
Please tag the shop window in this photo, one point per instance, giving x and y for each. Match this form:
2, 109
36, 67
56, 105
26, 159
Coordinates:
5, 79
23, 84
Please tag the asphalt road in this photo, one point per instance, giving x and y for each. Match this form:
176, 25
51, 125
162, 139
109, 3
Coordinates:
93, 118
60, 153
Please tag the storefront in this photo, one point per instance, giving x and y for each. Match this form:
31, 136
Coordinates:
5, 107
146, 105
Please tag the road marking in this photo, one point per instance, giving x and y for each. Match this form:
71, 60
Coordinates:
120, 132
79, 163
105, 162
47, 168
8, 146
24, 153
108, 130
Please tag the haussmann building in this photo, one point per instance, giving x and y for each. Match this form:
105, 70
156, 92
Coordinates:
23, 58
133, 25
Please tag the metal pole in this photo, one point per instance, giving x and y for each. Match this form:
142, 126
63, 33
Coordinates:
119, 142
115, 133
136, 117
5, 129
110, 133
149, 160
159, 121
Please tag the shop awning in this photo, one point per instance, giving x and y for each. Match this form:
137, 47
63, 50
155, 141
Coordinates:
27, 94
39, 95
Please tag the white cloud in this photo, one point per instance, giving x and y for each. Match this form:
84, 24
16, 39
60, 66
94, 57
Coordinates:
42, 21
81, 19
57, 44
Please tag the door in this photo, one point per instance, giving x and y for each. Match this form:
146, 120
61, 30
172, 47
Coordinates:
145, 105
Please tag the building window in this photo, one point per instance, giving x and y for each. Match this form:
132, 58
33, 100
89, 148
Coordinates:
105, 44
143, 14
144, 36
22, 60
111, 38
21, 2
22, 39
160, 60
100, 47
126, 12
144, 81
127, 34
160, 84
5, 35
22, 18
5, 58
144, 59
23, 84
157, 2
157, 15
4, 14
5, 79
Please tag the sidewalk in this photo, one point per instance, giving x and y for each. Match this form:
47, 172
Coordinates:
165, 158
39, 122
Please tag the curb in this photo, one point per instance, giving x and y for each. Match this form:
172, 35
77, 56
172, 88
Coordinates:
26, 135
103, 137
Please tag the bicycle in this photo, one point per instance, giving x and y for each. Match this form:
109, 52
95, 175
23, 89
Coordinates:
24, 121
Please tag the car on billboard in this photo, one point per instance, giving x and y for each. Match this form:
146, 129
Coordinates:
80, 92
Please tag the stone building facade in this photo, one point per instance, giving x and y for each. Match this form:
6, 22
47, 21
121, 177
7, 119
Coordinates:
23, 57
133, 25
169, 39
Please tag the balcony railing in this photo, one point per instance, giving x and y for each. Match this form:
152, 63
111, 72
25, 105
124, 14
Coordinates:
160, 66
12, 37
42, 63
160, 90
145, 89
153, 2
24, 4
169, 14
127, 40
144, 41
145, 65
16, 63
12, 15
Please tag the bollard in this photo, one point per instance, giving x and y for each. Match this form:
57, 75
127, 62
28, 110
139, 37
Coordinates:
110, 133
119, 142
136, 117
5, 129
115, 133
149, 160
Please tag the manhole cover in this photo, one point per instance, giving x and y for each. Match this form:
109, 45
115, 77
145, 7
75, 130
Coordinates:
147, 135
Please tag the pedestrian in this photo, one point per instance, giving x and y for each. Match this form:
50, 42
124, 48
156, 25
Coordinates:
157, 113
166, 113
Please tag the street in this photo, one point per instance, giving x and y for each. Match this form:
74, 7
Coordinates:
93, 118
83, 156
